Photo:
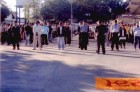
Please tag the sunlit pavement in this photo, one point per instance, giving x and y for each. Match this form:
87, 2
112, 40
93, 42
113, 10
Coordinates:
69, 70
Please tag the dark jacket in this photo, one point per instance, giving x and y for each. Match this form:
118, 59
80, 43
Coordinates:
16, 33
28, 30
120, 32
63, 32
50, 29
101, 30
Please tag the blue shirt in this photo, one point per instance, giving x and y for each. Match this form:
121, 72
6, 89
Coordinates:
45, 30
115, 28
84, 28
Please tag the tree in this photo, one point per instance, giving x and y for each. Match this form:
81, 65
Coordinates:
83, 9
32, 9
102, 9
58, 9
4, 11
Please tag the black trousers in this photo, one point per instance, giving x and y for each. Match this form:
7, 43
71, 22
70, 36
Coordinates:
101, 42
15, 42
84, 40
79, 39
122, 42
31, 38
115, 41
44, 39
9, 39
67, 39
3, 37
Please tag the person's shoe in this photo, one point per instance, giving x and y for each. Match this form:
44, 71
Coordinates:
13, 48
18, 48
34, 49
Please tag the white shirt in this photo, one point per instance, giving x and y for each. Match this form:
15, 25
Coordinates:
137, 31
123, 32
60, 30
37, 29
115, 28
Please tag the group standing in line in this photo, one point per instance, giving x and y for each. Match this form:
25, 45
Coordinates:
41, 33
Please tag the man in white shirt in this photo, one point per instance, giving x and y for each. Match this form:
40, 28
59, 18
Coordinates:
37, 31
137, 36
114, 35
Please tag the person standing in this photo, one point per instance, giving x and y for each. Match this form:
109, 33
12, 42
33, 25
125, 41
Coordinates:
122, 36
114, 36
131, 34
44, 36
22, 28
137, 36
100, 32
15, 35
3, 34
84, 36
28, 33
67, 34
9, 39
37, 31
61, 34
107, 33
79, 32
50, 32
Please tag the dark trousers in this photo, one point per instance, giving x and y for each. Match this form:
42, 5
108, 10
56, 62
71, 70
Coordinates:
101, 42
67, 39
79, 39
3, 37
9, 39
115, 41
31, 38
84, 40
15, 42
122, 42
44, 39
136, 41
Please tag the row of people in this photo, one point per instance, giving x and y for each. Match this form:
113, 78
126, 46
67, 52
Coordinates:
40, 33
37, 34
117, 35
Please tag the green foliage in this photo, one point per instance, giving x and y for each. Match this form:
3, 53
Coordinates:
83, 9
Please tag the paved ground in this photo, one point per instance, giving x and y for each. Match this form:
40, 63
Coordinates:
69, 70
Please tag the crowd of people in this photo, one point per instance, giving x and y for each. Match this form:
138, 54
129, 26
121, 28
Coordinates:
36, 34
41, 33
118, 34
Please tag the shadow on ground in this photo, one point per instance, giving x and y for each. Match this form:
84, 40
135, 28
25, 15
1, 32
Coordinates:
19, 74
